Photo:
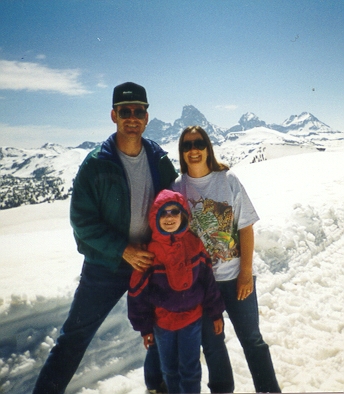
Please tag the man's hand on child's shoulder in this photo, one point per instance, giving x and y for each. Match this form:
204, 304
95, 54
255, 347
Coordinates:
139, 258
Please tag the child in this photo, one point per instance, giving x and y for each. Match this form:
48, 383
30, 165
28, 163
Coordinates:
166, 302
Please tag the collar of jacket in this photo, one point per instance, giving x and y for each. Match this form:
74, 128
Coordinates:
154, 152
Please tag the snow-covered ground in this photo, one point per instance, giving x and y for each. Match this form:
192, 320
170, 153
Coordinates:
299, 252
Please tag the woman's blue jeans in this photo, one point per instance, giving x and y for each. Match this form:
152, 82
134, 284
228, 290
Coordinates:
216, 355
98, 292
245, 319
180, 357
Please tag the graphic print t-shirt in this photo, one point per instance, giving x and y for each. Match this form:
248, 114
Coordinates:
220, 207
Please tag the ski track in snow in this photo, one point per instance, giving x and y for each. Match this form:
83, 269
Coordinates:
299, 254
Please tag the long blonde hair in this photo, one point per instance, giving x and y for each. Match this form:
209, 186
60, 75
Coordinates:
212, 162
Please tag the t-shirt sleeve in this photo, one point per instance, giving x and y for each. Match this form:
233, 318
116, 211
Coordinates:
244, 211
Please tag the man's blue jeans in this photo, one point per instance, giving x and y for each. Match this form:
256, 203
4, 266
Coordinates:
245, 319
98, 292
180, 357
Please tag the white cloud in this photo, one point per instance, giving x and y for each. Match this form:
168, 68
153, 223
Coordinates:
16, 75
228, 107
101, 84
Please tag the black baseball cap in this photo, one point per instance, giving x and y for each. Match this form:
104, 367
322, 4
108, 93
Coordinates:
129, 93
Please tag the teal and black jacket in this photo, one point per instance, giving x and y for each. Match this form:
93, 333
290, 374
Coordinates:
100, 205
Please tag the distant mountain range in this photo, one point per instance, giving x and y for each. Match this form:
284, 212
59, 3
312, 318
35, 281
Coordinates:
305, 125
31, 176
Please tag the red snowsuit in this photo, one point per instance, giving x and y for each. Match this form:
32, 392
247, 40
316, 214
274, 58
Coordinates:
173, 292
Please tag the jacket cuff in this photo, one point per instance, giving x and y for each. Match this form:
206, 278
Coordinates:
146, 332
217, 317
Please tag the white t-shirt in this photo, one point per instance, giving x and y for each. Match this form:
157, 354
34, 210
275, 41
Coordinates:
220, 207
141, 194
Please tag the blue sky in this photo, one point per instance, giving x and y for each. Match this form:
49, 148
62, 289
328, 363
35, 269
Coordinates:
59, 62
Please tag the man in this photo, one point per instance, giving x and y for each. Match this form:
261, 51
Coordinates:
112, 194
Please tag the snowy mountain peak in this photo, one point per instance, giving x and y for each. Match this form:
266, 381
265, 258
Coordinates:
165, 132
250, 120
50, 145
88, 145
305, 119
191, 116
246, 122
304, 124
52, 148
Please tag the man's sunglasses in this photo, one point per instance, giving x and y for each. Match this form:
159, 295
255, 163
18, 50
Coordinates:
195, 144
172, 212
126, 113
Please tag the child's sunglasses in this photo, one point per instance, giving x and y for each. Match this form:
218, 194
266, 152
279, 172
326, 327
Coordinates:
172, 212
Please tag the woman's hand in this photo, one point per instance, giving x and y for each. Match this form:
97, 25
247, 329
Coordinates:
245, 278
245, 285
218, 326
148, 340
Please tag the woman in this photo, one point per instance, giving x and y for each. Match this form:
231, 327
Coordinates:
223, 217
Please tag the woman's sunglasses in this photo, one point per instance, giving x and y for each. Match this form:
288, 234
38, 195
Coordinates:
195, 144
126, 113
172, 212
